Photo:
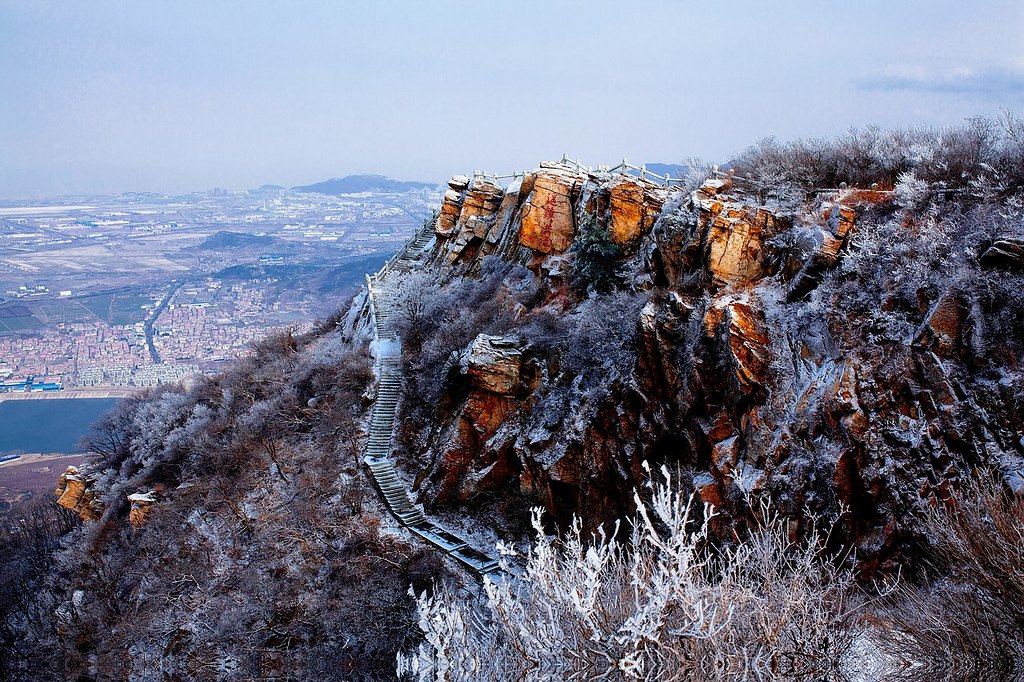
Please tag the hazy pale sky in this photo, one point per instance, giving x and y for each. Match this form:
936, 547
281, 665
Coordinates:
185, 95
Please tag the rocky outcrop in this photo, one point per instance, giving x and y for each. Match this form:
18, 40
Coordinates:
802, 414
492, 364
75, 492
548, 211
464, 468
141, 505
542, 212
1007, 253
467, 218
741, 325
832, 236
451, 206
733, 235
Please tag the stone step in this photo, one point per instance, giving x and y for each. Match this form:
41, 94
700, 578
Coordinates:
474, 559
440, 539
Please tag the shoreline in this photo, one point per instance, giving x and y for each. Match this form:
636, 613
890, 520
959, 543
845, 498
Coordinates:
36, 457
70, 393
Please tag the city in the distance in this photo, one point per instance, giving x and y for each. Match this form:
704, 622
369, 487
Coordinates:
104, 295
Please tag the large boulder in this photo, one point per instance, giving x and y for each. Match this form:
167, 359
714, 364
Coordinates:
75, 492
548, 222
493, 364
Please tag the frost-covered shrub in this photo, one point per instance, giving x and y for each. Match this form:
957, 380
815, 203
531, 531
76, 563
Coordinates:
911, 191
956, 156
967, 624
602, 335
657, 606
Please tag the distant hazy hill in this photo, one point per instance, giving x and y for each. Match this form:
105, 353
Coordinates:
230, 240
335, 280
676, 170
352, 184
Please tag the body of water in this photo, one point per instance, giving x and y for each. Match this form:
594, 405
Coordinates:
48, 425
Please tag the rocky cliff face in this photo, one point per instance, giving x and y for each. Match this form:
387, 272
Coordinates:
855, 354
759, 360
539, 214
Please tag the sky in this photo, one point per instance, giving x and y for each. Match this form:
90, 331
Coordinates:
176, 96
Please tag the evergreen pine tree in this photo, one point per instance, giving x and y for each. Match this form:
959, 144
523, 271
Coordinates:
596, 260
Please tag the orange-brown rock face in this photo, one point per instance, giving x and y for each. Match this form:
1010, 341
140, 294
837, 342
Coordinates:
493, 364
451, 206
482, 199
467, 217
742, 326
942, 329
840, 220
74, 493
547, 212
633, 208
733, 250
476, 220
141, 505
542, 213
734, 235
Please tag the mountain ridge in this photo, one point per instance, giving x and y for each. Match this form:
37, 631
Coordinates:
355, 184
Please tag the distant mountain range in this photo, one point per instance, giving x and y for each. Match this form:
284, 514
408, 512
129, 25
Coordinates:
353, 184
676, 170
